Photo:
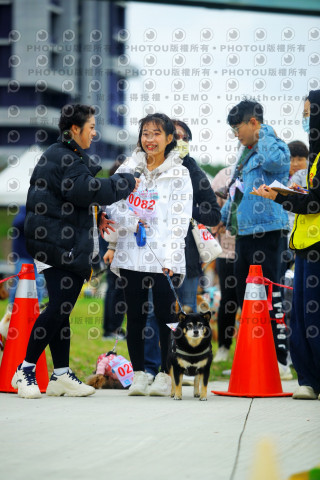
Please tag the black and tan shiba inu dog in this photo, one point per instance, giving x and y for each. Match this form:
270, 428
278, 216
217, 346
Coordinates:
190, 353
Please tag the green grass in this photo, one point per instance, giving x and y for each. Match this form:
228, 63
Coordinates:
87, 344
5, 223
86, 337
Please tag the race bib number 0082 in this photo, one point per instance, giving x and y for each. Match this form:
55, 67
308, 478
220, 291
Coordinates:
143, 204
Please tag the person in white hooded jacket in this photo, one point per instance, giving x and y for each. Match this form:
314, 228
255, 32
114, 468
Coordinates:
163, 207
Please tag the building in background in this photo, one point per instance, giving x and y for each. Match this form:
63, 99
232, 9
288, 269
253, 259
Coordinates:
57, 51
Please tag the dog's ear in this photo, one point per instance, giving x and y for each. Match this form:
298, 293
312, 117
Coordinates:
181, 316
206, 316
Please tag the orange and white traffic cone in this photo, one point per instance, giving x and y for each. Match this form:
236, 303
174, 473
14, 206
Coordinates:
25, 311
255, 371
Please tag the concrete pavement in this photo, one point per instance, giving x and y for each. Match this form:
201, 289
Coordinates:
111, 435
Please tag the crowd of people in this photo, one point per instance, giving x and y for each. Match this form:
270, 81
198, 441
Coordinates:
148, 203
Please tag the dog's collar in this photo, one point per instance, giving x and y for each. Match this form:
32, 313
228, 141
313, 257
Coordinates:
192, 354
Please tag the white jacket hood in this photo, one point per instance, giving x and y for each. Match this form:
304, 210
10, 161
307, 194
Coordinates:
139, 157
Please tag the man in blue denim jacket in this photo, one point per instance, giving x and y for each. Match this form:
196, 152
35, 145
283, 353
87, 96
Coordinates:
259, 225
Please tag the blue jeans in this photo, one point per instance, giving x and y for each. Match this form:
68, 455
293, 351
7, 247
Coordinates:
40, 281
187, 293
305, 323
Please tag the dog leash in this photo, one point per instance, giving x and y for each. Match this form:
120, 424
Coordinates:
175, 293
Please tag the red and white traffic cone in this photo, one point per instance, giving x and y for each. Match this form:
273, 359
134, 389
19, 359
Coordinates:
255, 371
25, 311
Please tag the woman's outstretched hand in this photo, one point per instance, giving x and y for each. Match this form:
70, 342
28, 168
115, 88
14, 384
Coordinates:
297, 188
105, 225
265, 191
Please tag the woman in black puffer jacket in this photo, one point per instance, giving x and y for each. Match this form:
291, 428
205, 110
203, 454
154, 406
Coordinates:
61, 230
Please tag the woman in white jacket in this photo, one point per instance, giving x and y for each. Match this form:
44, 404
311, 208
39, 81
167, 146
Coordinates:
163, 205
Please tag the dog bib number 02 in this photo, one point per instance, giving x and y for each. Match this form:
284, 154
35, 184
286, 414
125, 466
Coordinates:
143, 203
123, 369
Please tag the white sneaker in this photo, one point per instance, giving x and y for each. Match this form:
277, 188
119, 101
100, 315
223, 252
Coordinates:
285, 372
222, 355
150, 378
139, 384
68, 384
188, 381
304, 392
161, 386
25, 381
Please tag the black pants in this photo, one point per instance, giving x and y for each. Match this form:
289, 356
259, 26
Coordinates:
229, 303
52, 327
263, 250
136, 287
114, 305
